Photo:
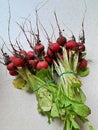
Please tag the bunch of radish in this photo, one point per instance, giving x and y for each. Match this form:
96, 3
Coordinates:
37, 58
24, 59
38, 70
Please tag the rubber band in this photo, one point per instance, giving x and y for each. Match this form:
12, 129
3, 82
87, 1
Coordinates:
67, 72
43, 85
51, 81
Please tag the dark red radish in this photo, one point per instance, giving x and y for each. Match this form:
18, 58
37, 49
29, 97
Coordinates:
11, 58
60, 50
48, 59
23, 52
30, 55
71, 45
50, 53
61, 40
39, 48
83, 64
11, 66
32, 63
42, 65
52, 47
13, 73
55, 47
81, 47
18, 62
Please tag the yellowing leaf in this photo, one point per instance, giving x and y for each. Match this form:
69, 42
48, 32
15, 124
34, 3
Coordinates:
19, 82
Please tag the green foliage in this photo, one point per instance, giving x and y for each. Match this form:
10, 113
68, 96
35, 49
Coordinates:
83, 72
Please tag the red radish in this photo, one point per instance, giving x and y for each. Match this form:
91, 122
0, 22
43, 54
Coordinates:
11, 66
32, 63
83, 63
39, 48
11, 58
48, 59
60, 50
18, 62
13, 72
30, 55
50, 53
23, 53
55, 47
81, 47
61, 40
71, 45
42, 65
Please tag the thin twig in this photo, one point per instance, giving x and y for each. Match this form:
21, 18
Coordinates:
47, 36
9, 22
41, 5
5, 44
30, 43
37, 27
18, 38
57, 23
73, 37
53, 34
32, 32
82, 38
18, 44
2, 49
2, 63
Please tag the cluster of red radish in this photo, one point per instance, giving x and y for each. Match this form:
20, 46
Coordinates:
55, 48
37, 59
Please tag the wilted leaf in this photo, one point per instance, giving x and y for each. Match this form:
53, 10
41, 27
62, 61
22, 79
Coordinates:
19, 82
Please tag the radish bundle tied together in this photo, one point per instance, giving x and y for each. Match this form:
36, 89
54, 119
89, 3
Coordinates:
52, 75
